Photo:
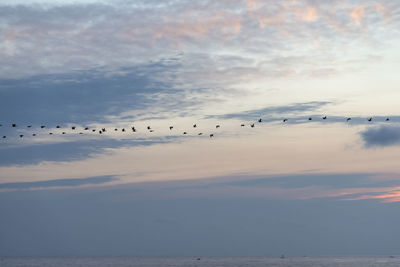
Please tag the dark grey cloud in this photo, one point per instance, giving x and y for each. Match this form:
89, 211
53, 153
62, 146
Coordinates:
79, 97
11, 155
384, 135
301, 112
59, 183
275, 111
114, 221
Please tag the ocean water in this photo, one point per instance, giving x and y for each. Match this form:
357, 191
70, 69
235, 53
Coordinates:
202, 262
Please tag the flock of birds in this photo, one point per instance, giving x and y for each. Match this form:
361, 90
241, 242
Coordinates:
133, 129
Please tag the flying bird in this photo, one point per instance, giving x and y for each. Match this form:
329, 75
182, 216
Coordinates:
284, 120
13, 125
21, 135
29, 126
324, 117
252, 125
194, 125
33, 134
4, 136
42, 126
242, 125
50, 133
151, 131
200, 133
115, 129
103, 130
73, 127
211, 135
259, 120
184, 132
148, 127
86, 128
369, 119
63, 132
123, 129
387, 119
217, 126
171, 127
93, 130
348, 119
133, 129
58, 126
309, 118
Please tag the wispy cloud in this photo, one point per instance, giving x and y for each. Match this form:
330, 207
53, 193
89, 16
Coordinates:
57, 183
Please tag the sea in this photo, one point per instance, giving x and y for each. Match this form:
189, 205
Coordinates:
386, 261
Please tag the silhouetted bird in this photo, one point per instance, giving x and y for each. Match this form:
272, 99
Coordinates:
184, 132
171, 127
151, 131
100, 132
324, 117
13, 125
133, 129
284, 120
58, 126
63, 132
242, 125
369, 119
123, 129
115, 129
348, 119
103, 130
252, 125
194, 125
73, 127
33, 134
148, 127
93, 130
310, 119
29, 126
200, 133
259, 120
42, 126
86, 128
4, 136
50, 133
217, 126
21, 135
211, 135
387, 119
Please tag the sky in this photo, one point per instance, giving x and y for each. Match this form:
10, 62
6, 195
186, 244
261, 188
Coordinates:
305, 186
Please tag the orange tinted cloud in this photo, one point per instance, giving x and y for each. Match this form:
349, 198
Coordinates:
357, 14
386, 195
308, 14
227, 24
383, 10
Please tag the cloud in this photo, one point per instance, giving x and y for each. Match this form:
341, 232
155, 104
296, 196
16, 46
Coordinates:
37, 37
58, 183
381, 136
275, 112
357, 14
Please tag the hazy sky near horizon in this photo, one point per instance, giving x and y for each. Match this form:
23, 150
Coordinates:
118, 64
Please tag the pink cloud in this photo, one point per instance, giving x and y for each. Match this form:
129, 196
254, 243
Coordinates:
308, 14
357, 14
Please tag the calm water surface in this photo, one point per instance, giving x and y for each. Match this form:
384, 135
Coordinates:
203, 262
